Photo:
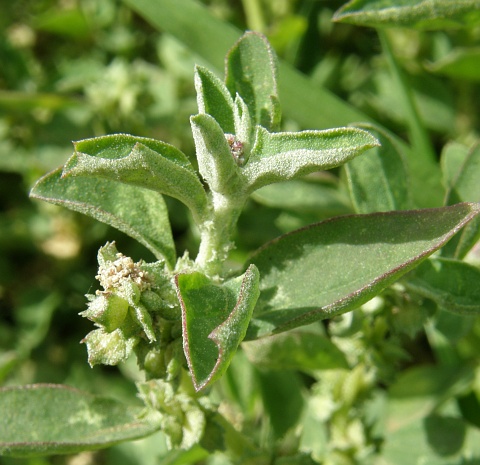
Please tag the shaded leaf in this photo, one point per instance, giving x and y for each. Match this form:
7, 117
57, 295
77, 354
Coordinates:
47, 419
214, 319
452, 284
379, 181
423, 14
334, 266
304, 349
465, 188
282, 397
139, 213
283, 156
305, 196
460, 63
139, 162
452, 158
252, 73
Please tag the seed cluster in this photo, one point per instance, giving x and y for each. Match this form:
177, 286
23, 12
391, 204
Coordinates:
121, 270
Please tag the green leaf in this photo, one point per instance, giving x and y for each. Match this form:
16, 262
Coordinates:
466, 188
140, 162
379, 181
139, 213
47, 419
215, 160
460, 63
252, 73
423, 14
215, 319
282, 398
282, 156
332, 267
452, 284
414, 432
214, 99
452, 158
304, 196
306, 349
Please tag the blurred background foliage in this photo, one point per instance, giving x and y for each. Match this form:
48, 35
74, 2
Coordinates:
74, 69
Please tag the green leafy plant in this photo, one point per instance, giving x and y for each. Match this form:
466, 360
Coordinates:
184, 317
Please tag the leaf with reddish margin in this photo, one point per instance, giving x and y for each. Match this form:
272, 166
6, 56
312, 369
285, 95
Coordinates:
334, 266
47, 419
215, 318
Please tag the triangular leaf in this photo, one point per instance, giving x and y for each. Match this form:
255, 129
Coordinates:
139, 162
215, 319
47, 419
287, 155
334, 266
140, 213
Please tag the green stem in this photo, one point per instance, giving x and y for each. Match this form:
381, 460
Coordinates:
216, 233
254, 15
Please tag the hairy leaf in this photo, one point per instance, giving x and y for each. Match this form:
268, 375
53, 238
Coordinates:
252, 73
282, 156
423, 14
139, 162
140, 213
214, 99
215, 319
47, 419
334, 266
215, 160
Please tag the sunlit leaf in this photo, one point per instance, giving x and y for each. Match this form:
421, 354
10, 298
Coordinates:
140, 213
47, 419
423, 14
215, 319
331, 267
141, 162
